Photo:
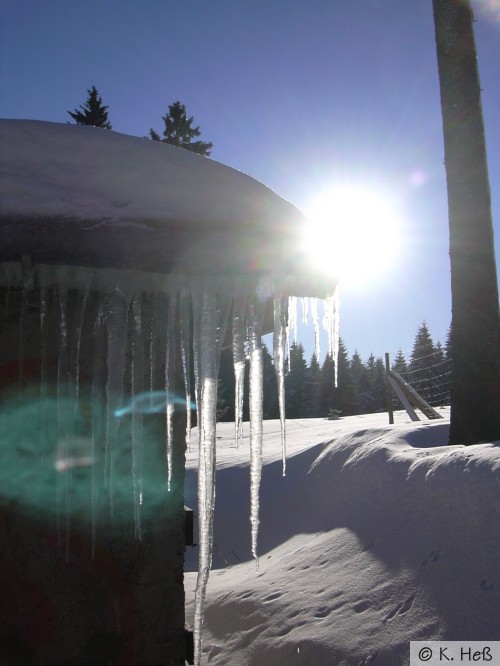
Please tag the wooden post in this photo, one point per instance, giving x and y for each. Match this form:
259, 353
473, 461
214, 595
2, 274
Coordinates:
390, 408
411, 398
398, 390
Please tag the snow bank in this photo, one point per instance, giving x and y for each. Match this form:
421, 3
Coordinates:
377, 536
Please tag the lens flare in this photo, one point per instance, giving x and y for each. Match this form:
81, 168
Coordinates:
354, 232
489, 9
151, 402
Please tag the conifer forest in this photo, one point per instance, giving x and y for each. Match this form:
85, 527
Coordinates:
361, 387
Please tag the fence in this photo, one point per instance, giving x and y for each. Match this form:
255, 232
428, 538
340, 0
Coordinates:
422, 384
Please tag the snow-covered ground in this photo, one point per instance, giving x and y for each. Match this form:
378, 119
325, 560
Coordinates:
377, 535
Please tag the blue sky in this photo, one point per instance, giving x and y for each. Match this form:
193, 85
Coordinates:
297, 93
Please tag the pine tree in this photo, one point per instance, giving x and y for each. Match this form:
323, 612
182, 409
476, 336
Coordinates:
442, 376
327, 396
269, 386
341, 398
345, 389
360, 372
423, 347
295, 382
378, 384
179, 131
447, 369
312, 389
447, 344
399, 364
424, 366
93, 112
225, 387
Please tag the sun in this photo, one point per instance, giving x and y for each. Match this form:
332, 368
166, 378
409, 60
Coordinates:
354, 233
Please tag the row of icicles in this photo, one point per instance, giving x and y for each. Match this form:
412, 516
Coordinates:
247, 312
203, 311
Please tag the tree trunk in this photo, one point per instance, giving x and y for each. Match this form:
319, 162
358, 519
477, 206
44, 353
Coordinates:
475, 337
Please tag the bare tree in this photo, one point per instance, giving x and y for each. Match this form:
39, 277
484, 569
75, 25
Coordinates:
475, 328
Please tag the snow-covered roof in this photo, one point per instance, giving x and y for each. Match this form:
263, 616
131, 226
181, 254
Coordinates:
86, 196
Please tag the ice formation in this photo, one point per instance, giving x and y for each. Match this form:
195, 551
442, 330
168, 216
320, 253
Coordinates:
279, 347
206, 314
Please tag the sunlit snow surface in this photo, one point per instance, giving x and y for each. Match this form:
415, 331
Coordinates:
378, 535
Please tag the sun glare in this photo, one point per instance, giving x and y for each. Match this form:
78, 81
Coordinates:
354, 233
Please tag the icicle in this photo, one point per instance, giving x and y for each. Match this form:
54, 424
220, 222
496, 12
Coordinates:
185, 331
116, 323
205, 335
256, 416
152, 344
27, 286
223, 309
239, 308
22, 337
305, 310
137, 386
292, 316
97, 410
331, 325
292, 325
197, 300
315, 319
43, 370
336, 329
79, 327
62, 417
279, 342
328, 322
170, 384
255, 315
62, 362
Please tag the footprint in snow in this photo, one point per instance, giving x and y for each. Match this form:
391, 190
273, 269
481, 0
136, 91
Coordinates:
245, 595
361, 606
325, 611
400, 609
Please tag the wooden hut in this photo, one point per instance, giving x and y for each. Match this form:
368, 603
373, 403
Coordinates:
107, 245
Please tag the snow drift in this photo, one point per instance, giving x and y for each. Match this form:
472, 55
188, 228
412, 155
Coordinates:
378, 535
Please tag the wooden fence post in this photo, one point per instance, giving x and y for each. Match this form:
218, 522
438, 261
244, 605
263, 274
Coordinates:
390, 408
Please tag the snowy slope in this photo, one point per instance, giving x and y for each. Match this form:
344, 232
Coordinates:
378, 535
